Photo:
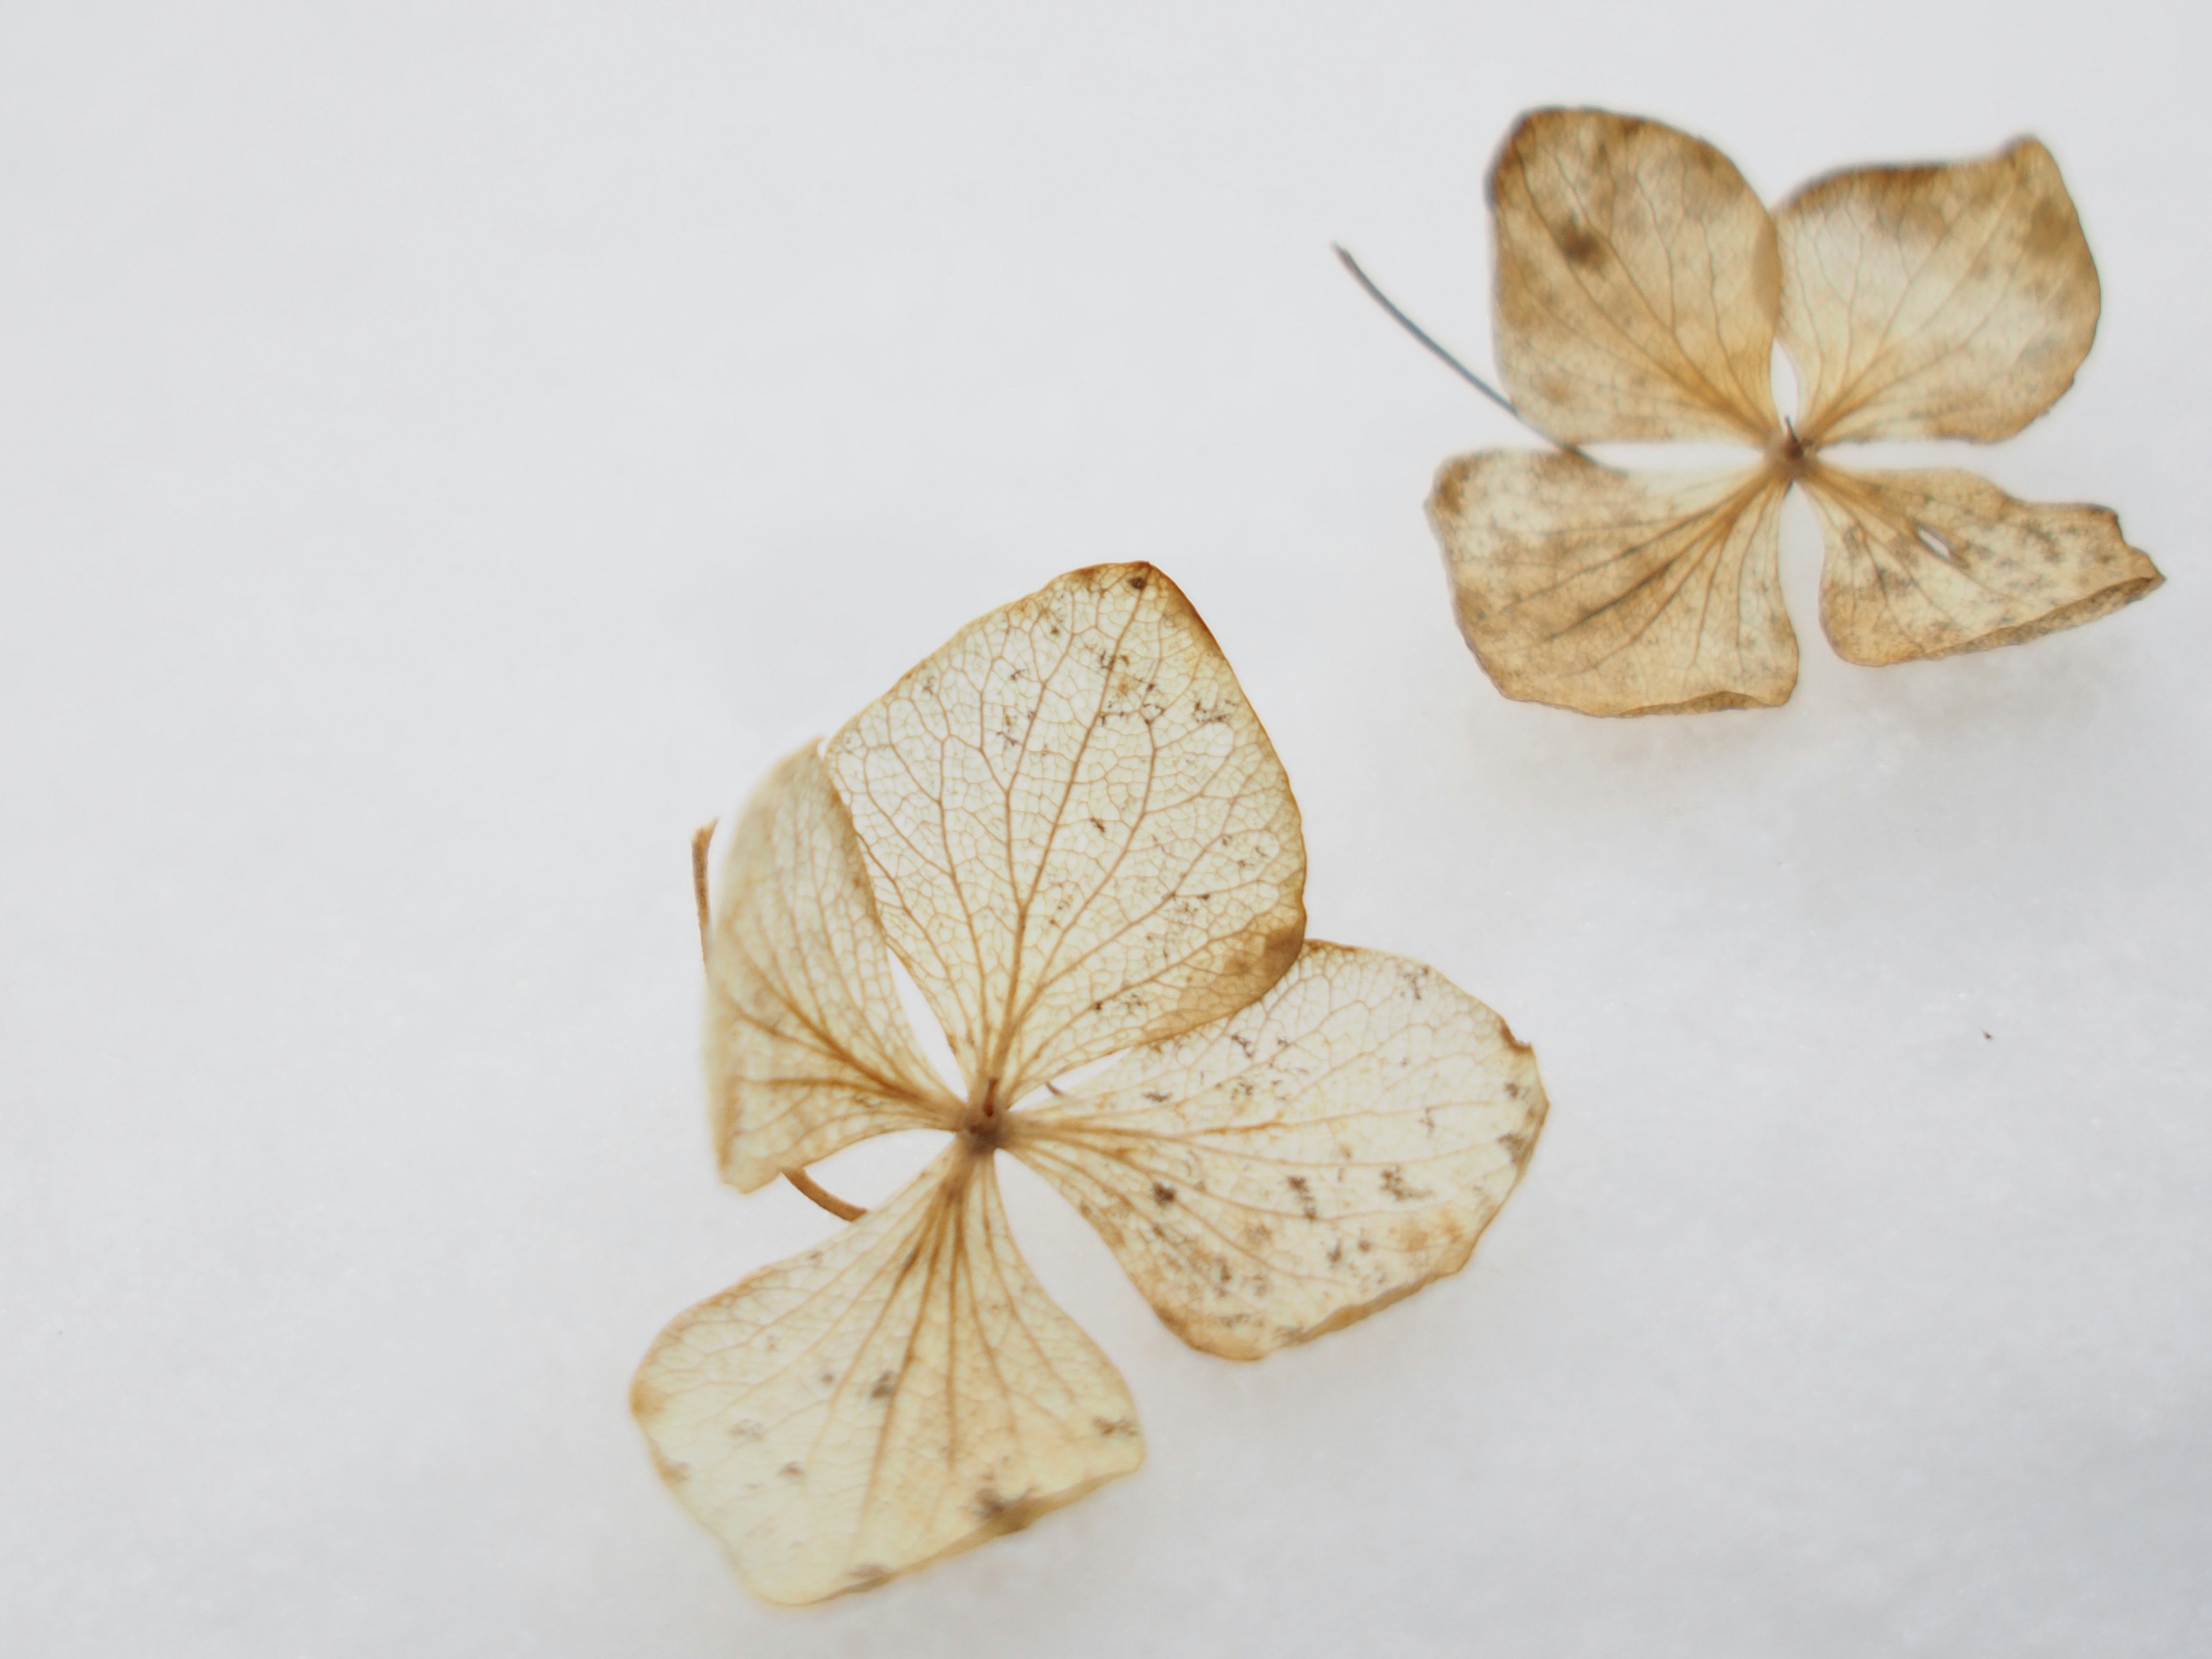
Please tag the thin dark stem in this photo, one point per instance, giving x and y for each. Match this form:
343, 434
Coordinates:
1428, 340
1422, 334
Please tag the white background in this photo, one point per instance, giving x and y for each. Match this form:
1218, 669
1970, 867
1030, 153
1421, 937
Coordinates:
448, 452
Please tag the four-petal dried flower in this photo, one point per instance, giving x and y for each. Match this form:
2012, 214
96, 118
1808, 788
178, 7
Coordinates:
1641, 289
1070, 828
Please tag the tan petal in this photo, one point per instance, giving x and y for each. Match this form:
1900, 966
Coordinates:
1637, 282
807, 1048
1925, 564
905, 1391
1291, 1169
1081, 836
1616, 592
1935, 301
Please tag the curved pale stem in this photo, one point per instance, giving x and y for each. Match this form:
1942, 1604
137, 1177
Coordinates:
829, 1201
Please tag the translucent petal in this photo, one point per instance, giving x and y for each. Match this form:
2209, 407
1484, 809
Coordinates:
807, 1048
1925, 564
904, 1391
1935, 301
1081, 836
1616, 592
1291, 1169
1637, 282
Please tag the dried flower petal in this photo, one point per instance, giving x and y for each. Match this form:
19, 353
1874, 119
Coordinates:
905, 1391
1935, 301
1615, 593
1925, 564
1638, 282
1295, 1167
1080, 836
808, 1049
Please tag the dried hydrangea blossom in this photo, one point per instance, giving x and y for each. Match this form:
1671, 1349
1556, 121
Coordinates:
1070, 828
1641, 290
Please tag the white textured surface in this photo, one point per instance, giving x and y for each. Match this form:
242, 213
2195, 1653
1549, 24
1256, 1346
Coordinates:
449, 455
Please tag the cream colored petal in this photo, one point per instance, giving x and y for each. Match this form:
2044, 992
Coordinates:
904, 1391
1925, 564
1081, 836
1291, 1169
807, 1048
1935, 301
1616, 592
1637, 282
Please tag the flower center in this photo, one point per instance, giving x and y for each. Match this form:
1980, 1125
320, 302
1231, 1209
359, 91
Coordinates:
1787, 452
987, 1120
